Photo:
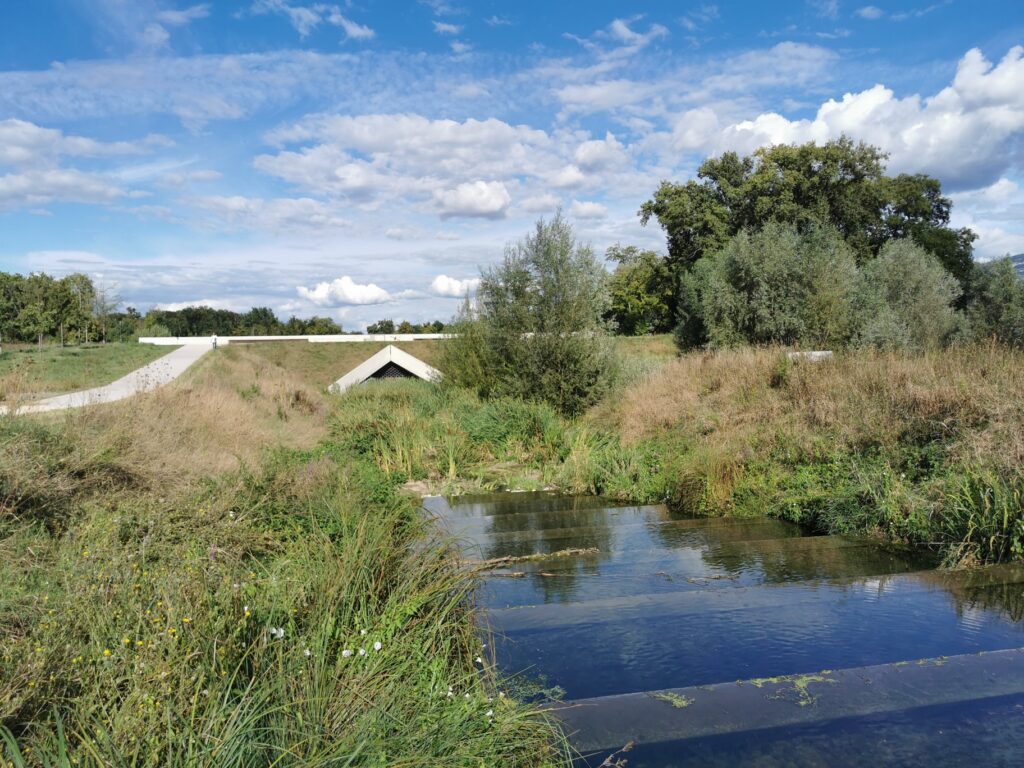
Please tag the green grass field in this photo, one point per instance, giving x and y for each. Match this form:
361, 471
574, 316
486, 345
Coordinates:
27, 372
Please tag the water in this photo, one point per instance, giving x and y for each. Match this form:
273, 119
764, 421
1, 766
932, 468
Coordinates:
745, 642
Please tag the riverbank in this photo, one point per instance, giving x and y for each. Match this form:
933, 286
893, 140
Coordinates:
921, 450
182, 578
285, 607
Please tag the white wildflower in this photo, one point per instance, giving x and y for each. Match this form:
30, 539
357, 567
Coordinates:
362, 651
362, 633
490, 713
346, 653
277, 633
308, 653
479, 660
377, 646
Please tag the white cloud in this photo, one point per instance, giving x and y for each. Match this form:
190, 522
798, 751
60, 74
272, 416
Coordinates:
459, 47
305, 19
569, 176
444, 28
344, 291
827, 8
961, 135
600, 154
586, 209
24, 144
698, 17
870, 12
482, 199
443, 285
278, 214
176, 306
183, 17
40, 187
540, 203
497, 21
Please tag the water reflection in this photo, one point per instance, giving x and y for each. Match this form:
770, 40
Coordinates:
660, 600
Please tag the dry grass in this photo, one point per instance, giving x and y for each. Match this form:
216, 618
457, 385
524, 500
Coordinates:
320, 365
973, 397
222, 414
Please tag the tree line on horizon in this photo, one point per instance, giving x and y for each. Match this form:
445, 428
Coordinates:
74, 309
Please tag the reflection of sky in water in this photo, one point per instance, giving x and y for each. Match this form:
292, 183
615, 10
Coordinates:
667, 602
674, 602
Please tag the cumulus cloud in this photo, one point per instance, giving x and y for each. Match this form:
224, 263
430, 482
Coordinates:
600, 154
586, 209
23, 143
481, 199
962, 135
344, 291
444, 28
443, 285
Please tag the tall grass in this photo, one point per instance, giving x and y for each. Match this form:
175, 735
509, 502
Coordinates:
211, 627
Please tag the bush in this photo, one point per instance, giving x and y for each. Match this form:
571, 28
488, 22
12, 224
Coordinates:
537, 331
905, 299
997, 307
779, 286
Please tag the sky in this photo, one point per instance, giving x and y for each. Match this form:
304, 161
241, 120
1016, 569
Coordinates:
363, 160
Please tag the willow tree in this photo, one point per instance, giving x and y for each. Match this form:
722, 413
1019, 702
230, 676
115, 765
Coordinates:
537, 330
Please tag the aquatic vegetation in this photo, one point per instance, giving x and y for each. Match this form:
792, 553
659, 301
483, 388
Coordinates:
677, 701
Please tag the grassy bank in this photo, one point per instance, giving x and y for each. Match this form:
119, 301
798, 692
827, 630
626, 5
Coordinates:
28, 372
923, 450
178, 613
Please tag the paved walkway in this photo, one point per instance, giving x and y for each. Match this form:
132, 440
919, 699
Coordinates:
150, 376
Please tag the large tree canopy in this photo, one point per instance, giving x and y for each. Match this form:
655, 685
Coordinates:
840, 184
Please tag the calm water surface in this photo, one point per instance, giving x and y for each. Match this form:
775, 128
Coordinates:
649, 601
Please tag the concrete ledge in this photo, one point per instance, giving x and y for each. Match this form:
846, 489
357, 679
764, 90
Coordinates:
179, 341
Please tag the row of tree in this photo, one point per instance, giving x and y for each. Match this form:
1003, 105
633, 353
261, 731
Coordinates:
76, 310
811, 245
71, 309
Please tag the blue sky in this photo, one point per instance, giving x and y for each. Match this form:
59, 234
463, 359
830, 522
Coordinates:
363, 159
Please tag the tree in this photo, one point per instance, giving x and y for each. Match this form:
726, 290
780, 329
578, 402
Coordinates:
779, 286
641, 291
537, 330
906, 299
37, 316
80, 309
405, 327
260, 321
381, 326
839, 184
105, 302
997, 309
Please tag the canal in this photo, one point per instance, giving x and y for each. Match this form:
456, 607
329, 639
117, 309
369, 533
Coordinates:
720, 641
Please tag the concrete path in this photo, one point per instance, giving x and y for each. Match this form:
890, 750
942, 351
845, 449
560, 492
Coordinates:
150, 376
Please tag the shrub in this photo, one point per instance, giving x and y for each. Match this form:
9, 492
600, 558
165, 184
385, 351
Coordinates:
537, 331
997, 307
779, 286
905, 299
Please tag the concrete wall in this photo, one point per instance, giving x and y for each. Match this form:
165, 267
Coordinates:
178, 341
